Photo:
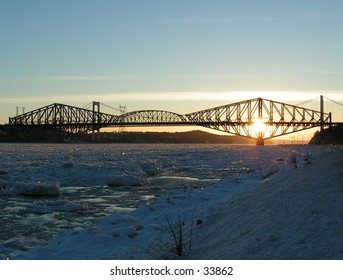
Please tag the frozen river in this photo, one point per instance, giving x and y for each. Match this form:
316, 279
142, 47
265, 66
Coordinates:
48, 188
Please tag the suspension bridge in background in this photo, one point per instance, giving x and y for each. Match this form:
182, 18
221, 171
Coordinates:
257, 118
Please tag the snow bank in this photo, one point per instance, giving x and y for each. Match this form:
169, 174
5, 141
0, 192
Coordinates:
20, 243
296, 214
293, 161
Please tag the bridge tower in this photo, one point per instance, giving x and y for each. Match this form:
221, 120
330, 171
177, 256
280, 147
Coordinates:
321, 113
96, 121
260, 136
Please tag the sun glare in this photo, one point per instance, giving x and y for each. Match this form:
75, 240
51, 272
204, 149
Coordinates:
259, 126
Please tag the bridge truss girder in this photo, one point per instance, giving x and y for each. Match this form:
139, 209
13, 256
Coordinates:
151, 117
273, 118
63, 118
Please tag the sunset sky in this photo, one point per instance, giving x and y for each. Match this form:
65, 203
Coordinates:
176, 55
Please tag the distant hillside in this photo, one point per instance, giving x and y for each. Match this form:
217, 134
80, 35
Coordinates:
196, 136
333, 136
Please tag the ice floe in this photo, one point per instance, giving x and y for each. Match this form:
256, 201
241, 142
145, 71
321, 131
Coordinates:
35, 189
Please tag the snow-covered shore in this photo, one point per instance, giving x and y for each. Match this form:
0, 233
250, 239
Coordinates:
293, 213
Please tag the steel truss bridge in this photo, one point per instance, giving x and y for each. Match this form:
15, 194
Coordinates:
257, 118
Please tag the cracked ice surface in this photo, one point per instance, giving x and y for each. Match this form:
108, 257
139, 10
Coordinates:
68, 189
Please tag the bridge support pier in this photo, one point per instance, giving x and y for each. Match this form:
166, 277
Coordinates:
96, 121
260, 141
95, 136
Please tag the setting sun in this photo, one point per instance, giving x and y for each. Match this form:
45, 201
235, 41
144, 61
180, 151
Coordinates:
259, 127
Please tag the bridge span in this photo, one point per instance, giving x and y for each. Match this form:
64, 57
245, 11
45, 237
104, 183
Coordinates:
257, 118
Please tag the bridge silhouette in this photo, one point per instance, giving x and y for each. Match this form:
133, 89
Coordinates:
257, 118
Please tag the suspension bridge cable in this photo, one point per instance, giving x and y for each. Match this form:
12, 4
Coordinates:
110, 108
307, 101
333, 101
338, 113
88, 106
121, 109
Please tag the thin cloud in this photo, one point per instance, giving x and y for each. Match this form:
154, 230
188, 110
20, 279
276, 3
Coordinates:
207, 76
88, 78
220, 20
327, 72
71, 78
75, 78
